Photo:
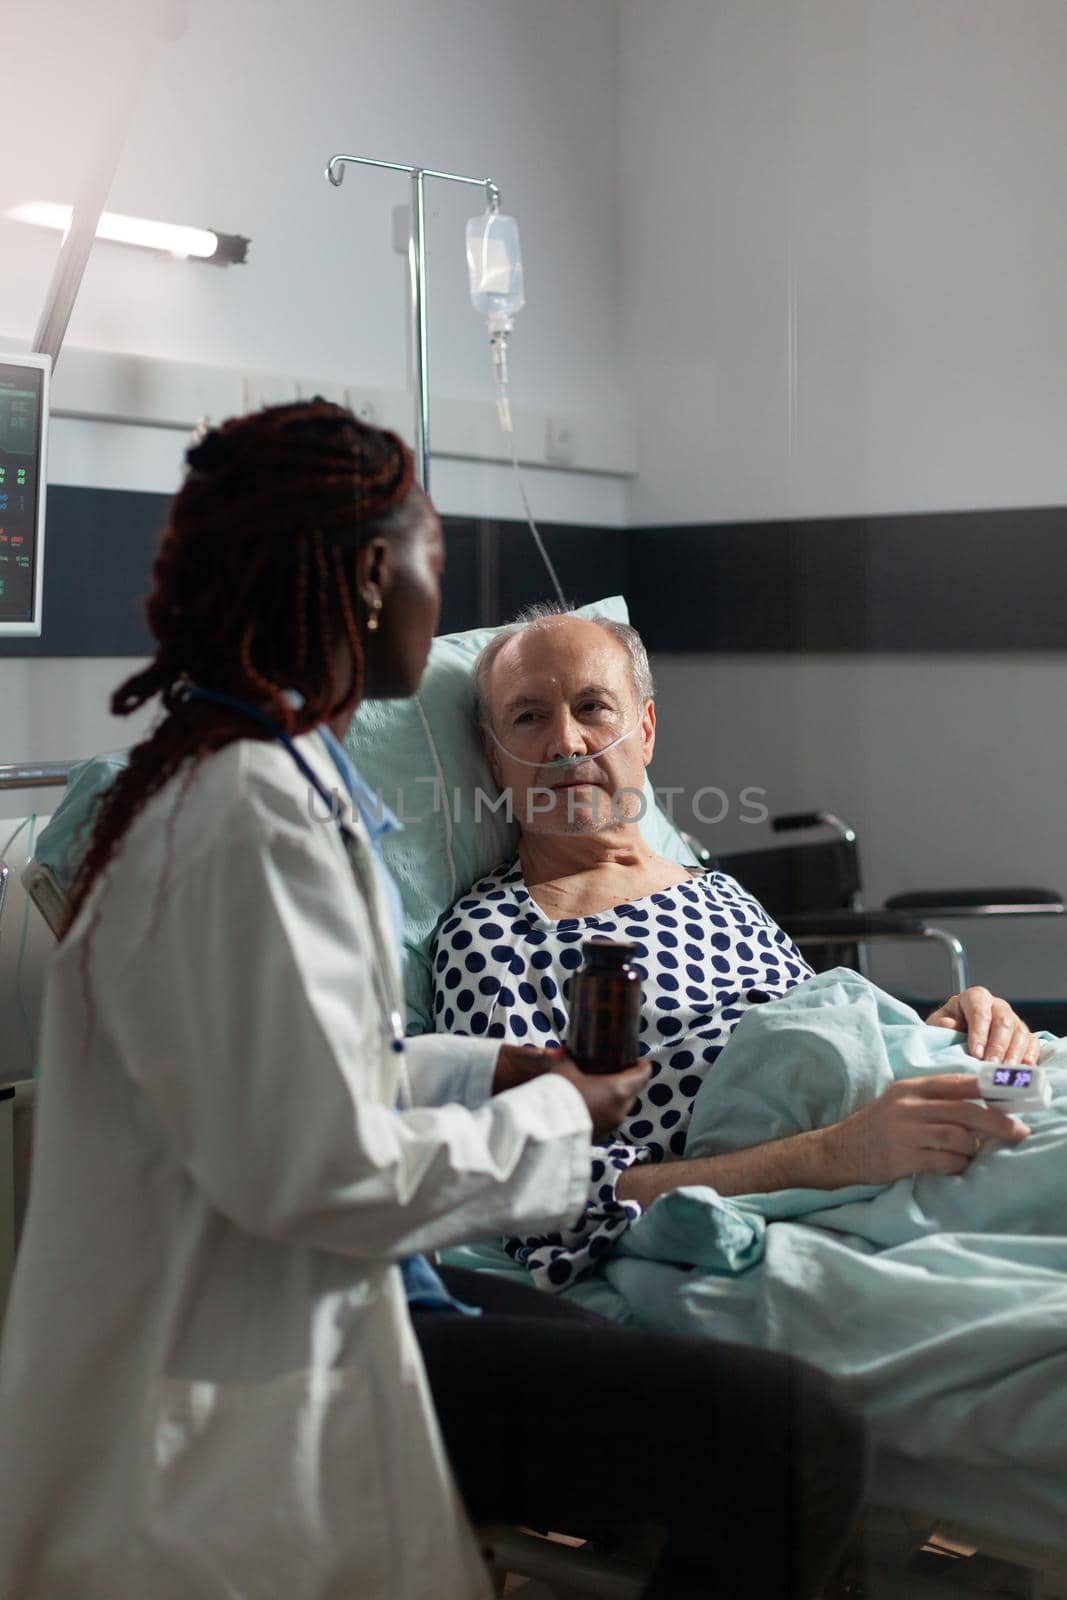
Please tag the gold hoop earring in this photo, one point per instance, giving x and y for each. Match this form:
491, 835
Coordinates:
372, 620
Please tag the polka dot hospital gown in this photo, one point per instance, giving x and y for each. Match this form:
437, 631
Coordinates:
705, 951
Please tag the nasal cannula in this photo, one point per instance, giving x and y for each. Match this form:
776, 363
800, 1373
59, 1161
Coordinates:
564, 761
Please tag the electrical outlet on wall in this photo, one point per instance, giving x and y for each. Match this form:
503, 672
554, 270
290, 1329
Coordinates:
559, 442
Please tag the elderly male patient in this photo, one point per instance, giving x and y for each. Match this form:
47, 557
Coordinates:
553, 686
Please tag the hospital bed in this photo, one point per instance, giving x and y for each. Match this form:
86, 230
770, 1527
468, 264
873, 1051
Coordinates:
918, 1517
922, 1533
901, 1552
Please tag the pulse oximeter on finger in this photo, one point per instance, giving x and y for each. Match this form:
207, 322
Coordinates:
1014, 1088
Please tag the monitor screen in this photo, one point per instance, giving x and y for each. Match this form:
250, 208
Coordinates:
23, 437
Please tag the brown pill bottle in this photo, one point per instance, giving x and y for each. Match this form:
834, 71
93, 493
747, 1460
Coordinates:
605, 1008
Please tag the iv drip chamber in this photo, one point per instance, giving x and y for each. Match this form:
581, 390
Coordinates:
494, 262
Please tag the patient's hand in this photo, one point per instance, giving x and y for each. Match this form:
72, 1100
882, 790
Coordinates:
918, 1125
994, 1032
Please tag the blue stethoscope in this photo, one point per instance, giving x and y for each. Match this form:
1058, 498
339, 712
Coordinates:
191, 691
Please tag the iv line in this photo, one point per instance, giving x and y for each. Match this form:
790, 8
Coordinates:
503, 407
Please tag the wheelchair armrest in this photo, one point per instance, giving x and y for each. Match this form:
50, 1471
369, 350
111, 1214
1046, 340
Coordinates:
801, 820
861, 927
997, 902
847, 926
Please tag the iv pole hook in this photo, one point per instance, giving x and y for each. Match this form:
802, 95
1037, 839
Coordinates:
335, 171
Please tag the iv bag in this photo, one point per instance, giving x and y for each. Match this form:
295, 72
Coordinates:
494, 261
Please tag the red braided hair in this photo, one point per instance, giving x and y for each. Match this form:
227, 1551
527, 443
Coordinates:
253, 591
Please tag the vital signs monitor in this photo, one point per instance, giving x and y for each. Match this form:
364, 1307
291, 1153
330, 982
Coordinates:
23, 441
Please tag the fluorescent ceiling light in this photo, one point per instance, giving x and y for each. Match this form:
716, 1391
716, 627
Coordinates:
171, 237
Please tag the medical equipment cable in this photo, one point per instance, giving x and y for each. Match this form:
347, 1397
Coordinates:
504, 414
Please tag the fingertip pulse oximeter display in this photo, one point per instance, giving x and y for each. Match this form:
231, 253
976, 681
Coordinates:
1011, 1086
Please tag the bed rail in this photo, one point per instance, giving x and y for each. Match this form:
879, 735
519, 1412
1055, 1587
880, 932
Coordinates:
36, 775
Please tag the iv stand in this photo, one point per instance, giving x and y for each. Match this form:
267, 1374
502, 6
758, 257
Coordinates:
335, 171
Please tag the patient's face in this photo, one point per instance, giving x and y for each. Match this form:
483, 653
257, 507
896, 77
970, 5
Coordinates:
564, 688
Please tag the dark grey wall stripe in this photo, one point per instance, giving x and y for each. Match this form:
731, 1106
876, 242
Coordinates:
494, 569
937, 582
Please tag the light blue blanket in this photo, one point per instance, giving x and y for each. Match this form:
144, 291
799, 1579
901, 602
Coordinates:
941, 1302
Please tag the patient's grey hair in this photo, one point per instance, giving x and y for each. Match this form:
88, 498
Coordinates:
547, 611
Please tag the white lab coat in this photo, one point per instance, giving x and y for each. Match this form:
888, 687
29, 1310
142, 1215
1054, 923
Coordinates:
209, 1385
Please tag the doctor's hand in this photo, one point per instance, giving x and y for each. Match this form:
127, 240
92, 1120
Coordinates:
918, 1125
518, 1063
607, 1096
994, 1032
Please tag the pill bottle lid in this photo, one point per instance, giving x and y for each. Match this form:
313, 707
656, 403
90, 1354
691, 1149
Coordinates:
607, 955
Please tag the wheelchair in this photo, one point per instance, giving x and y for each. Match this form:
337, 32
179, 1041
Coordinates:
811, 885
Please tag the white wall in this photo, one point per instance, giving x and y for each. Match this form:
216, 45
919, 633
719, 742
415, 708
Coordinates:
842, 248
232, 128
843, 236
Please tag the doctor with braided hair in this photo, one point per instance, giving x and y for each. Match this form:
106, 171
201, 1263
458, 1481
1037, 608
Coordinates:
228, 1371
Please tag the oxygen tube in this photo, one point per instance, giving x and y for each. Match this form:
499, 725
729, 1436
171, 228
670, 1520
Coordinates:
563, 761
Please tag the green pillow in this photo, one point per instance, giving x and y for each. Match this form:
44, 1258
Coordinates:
424, 757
